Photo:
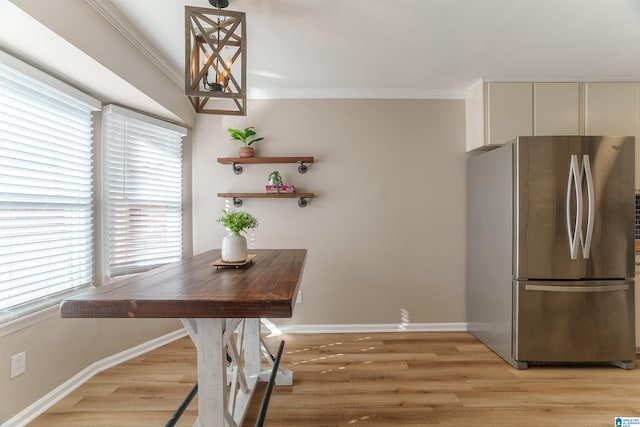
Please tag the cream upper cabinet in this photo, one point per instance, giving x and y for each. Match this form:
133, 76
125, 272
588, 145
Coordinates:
613, 109
556, 108
510, 111
498, 112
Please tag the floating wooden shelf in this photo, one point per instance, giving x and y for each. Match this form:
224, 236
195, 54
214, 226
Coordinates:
237, 197
268, 195
237, 161
254, 160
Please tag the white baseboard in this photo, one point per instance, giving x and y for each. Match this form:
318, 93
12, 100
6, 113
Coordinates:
371, 328
54, 396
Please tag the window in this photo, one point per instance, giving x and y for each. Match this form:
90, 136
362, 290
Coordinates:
46, 189
143, 191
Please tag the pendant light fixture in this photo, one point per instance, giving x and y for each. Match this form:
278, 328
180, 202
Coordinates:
215, 59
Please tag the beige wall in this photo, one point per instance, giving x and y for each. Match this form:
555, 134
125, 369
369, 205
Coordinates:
386, 232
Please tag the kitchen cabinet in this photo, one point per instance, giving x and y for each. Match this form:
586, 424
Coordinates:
498, 112
510, 111
556, 108
612, 108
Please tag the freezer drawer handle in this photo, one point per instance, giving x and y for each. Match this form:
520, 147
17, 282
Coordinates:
552, 288
574, 230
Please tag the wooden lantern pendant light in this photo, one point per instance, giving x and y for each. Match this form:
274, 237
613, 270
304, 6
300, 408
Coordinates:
215, 59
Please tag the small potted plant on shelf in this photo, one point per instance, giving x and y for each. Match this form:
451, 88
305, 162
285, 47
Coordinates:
245, 136
234, 245
276, 186
275, 181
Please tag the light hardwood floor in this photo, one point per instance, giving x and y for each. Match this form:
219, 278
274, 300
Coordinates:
381, 379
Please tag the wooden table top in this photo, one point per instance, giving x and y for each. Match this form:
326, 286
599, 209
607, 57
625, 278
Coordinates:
192, 288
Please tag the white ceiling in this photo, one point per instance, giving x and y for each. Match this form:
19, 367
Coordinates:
411, 48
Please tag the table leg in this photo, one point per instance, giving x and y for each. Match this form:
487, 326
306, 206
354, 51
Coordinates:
252, 363
212, 373
215, 343
249, 369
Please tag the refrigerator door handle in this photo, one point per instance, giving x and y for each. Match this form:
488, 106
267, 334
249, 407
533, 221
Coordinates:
586, 240
575, 229
554, 288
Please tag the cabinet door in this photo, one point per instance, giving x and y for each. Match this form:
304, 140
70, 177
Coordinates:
611, 108
509, 111
556, 108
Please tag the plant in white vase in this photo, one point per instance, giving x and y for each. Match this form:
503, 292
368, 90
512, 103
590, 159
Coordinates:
234, 245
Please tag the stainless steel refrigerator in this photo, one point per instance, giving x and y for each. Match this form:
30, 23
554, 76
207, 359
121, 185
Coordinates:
551, 253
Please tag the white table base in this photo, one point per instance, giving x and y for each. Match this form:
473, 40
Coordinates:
239, 339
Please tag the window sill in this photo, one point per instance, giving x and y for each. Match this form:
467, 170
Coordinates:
11, 326
15, 319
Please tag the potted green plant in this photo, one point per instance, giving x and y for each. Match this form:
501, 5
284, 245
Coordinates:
245, 137
234, 245
275, 181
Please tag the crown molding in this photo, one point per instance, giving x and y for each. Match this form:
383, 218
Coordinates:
351, 93
109, 12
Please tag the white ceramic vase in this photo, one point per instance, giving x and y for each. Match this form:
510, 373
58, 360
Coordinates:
234, 247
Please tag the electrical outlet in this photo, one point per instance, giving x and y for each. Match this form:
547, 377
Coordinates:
18, 364
299, 298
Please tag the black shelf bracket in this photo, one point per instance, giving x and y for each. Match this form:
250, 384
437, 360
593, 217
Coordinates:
302, 202
237, 169
302, 168
237, 202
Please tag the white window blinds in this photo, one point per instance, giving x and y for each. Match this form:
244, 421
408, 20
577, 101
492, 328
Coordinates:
143, 191
46, 189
